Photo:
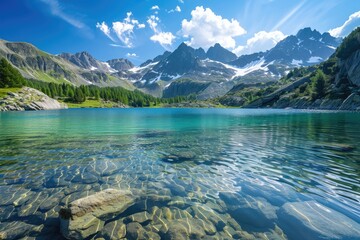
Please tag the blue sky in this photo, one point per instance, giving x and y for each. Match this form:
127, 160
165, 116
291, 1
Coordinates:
141, 29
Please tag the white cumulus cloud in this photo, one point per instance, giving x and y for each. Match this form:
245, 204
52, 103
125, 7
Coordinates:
153, 22
260, 42
165, 39
155, 7
141, 25
205, 28
124, 30
350, 24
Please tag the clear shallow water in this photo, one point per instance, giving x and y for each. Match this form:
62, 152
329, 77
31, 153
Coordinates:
271, 174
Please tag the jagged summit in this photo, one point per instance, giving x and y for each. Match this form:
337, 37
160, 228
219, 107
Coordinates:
218, 53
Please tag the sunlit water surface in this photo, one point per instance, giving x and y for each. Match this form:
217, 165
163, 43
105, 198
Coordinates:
271, 174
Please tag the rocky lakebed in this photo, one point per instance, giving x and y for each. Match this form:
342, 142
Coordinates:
179, 211
179, 174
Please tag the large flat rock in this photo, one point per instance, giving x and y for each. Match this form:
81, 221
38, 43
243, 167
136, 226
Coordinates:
311, 220
86, 216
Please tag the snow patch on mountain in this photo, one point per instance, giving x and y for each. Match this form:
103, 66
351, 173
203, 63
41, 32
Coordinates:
108, 67
249, 68
140, 69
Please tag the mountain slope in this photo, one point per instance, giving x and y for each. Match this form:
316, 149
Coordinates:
334, 84
33, 63
306, 48
77, 69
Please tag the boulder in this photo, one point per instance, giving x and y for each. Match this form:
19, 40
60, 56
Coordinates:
16, 230
311, 220
114, 230
135, 231
251, 213
186, 228
351, 103
86, 216
139, 217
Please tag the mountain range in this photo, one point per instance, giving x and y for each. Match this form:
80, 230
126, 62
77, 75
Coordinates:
332, 85
185, 71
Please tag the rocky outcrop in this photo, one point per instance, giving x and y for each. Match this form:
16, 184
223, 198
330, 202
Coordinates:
350, 69
84, 60
272, 97
120, 64
351, 103
29, 99
85, 217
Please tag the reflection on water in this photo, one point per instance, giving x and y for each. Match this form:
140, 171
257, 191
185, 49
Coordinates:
231, 173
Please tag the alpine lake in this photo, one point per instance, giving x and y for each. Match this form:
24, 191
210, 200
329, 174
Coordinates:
191, 173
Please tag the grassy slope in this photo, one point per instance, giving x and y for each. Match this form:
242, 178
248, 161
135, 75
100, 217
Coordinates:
91, 104
4, 91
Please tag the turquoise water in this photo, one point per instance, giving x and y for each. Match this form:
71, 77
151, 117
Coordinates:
266, 174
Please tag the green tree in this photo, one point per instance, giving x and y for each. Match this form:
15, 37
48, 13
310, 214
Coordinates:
9, 76
79, 96
350, 44
318, 85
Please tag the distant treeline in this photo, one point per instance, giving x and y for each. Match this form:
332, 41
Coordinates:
11, 77
71, 93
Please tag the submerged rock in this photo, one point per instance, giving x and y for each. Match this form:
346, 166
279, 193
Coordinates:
86, 216
251, 213
179, 157
114, 230
186, 228
311, 220
16, 230
139, 217
134, 230
338, 147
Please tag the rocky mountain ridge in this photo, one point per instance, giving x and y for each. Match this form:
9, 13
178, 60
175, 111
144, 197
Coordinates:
218, 69
78, 69
331, 85
221, 70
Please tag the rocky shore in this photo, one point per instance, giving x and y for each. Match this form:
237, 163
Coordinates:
352, 103
29, 99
